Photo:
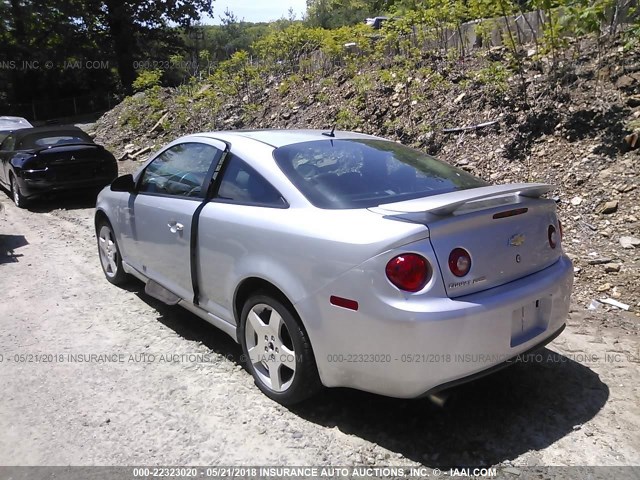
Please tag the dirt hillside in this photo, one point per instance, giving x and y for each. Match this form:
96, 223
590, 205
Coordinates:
564, 125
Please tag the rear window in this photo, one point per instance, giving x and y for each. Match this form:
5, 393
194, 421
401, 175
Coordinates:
355, 173
52, 139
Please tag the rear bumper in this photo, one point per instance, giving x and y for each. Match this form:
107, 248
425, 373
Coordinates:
33, 186
495, 368
409, 348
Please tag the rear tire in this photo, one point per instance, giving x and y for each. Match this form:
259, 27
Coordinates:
109, 253
19, 199
277, 351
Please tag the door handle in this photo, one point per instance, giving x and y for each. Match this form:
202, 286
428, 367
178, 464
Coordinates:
175, 227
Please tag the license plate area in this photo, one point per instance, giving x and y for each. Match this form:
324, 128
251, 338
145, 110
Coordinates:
530, 320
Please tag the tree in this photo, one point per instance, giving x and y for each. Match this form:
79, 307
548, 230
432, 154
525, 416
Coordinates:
128, 21
38, 39
337, 13
50, 35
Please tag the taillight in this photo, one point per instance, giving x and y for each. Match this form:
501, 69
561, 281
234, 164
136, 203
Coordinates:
459, 262
34, 163
409, 272
553, 236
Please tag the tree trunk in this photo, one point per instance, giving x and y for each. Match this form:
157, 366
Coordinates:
121, 29
22, 84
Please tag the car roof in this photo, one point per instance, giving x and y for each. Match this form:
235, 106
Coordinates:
51, 130
13, 123
280, 138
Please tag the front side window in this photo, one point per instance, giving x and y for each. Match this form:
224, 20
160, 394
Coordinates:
359, 173
242, 184
180, 170
8, 142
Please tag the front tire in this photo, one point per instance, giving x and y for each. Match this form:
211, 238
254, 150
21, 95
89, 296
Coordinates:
19, 199
277, 351
109, 253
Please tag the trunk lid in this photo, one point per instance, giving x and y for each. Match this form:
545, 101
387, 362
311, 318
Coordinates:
505, 230
74, 162
75, 154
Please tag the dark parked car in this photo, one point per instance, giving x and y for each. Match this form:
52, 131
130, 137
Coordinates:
35, 161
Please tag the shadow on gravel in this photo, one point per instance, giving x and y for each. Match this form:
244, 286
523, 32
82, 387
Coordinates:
63, 200
190, 326
8, 245
526, 407
609, 125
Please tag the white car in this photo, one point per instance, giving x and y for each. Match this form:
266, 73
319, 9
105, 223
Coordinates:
10, 124
341, 259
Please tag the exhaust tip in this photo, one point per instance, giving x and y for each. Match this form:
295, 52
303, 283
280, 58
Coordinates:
440, 398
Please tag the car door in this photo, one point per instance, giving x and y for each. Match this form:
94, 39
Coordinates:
168, 193
231, 231
6, 151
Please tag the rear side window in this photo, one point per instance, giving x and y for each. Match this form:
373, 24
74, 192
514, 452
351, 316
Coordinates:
358, 173
242, 184
180, 170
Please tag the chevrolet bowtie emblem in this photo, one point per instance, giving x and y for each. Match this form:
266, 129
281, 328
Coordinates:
517, 240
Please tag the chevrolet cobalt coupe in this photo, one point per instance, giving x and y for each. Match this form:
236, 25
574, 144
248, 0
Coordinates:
341, 259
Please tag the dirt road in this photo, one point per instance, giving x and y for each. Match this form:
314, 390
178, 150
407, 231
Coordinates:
96, 375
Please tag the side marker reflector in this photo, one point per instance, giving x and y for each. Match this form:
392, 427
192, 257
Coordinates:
344, 302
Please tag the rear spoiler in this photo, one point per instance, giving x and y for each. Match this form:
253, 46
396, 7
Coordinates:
64, 145
447, 203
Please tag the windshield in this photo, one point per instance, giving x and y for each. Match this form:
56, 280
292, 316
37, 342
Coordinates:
359, 173
52, 139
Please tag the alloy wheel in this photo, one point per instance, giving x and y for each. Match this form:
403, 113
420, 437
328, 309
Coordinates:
270, 348
108, 251
15, 193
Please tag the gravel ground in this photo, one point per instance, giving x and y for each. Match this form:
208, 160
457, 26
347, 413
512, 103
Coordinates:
177, 394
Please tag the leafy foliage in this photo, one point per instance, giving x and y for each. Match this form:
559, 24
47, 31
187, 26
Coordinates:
62, 48
145, 43
147, 79
238, 76
337, 13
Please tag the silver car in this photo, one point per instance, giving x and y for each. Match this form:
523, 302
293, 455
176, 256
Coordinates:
11, 124
341, 259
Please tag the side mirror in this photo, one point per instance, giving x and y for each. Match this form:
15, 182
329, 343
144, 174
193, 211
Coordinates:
124, 183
